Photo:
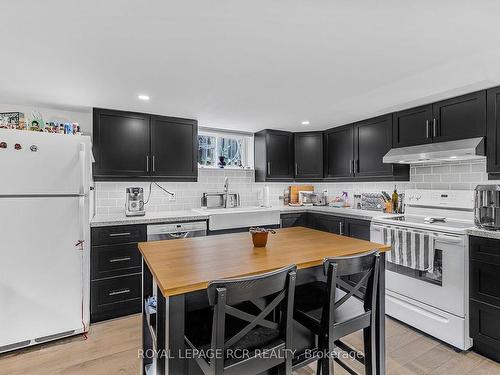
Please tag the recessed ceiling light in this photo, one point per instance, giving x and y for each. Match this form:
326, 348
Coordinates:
305, 122
143, 97
453, 157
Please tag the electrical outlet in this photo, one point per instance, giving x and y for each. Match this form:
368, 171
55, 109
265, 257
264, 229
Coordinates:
171, 197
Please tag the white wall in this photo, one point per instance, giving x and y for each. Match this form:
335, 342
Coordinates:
457, 176
83, 118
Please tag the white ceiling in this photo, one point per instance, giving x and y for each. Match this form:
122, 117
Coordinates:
247, 65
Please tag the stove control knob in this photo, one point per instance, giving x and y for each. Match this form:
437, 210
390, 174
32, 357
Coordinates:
34, 148
3, 144
18, 146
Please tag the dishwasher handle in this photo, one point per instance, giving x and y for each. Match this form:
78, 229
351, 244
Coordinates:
178, 234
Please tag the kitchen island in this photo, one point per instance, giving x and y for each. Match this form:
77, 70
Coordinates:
178, 272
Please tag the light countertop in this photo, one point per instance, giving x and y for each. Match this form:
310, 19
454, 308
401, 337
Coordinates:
346, 212
104, 220
484, 233
149, 218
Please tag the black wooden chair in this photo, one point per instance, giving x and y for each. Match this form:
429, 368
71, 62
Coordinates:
248, 316
341, 306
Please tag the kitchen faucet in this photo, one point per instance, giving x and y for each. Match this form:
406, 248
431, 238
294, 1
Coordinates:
226, 191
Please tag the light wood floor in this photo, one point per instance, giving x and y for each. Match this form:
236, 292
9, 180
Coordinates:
111, 348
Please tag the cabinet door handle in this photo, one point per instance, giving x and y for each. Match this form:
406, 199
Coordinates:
153, 163
119, 234
147, 163
357, 166
268, 168
341, 228
296, 169
434, 128
116, 292
427, 133
351, 167
124, 259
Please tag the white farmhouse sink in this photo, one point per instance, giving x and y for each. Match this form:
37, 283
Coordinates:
240, 217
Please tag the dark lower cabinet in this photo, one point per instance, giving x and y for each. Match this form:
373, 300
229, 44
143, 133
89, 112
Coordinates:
355, 228
484, 295
326, 223
308, 155
115, 271
115, 297
294, 220
274, 159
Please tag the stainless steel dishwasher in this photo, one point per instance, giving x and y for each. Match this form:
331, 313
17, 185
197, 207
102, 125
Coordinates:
157, 232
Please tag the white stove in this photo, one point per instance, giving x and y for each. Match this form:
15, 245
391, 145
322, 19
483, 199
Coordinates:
431, 223
434, 300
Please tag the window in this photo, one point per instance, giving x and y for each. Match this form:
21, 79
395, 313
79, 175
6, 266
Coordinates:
235, 148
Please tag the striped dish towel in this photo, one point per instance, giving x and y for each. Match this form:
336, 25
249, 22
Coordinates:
410, 249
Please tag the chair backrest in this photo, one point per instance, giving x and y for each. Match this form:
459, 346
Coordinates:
364, 267
268, 293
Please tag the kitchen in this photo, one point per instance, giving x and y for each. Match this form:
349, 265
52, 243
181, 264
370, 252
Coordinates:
128, 205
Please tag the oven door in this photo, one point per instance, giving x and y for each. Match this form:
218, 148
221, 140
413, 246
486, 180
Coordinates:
445, 287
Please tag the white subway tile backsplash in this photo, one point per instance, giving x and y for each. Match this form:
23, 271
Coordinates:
460, 168
423, 170
110, 196
432, 178
440, 169
478, 167
471, 177
450, 177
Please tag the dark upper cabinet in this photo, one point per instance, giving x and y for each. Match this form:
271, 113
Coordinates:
493, 132
138, 146
273, 155
120, 144
339, 152
412, 127
372, 140
173, 148
459, 118
308, 155
448, 120
355, 152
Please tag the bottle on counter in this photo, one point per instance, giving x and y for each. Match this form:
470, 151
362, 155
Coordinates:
265, 196
395, 200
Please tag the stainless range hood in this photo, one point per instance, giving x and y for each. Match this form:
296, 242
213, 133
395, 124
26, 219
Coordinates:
464, 149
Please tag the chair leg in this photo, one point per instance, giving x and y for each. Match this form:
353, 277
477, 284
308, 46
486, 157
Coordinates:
369, 348
319, 363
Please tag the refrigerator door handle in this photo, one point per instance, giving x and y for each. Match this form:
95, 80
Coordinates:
83, 170
81, 213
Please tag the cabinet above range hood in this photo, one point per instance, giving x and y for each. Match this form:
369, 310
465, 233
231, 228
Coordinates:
464, 149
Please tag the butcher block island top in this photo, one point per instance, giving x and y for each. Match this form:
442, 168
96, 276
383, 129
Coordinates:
187, 265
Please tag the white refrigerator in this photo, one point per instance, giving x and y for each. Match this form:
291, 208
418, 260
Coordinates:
45, 182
